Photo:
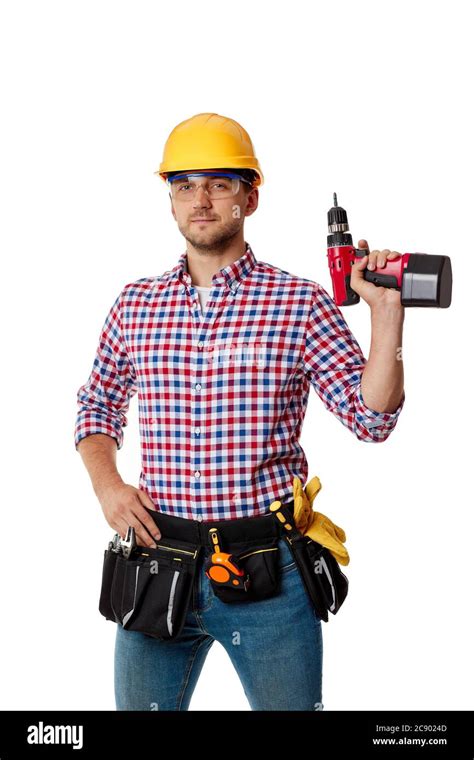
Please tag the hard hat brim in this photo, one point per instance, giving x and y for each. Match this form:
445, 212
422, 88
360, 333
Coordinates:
225, 164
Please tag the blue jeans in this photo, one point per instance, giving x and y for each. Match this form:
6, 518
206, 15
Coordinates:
275, 645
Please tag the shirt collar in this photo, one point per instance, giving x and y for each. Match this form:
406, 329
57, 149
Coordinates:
230, 275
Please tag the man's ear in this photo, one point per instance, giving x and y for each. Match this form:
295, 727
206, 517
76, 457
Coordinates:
252, 201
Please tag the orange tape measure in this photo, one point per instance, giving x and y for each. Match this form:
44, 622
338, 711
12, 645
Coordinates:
221, 567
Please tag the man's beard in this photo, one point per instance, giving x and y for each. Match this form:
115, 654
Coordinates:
214, 242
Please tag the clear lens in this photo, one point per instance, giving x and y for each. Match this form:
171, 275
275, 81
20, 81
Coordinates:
184, 186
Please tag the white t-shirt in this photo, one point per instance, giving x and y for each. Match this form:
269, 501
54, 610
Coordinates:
203, 294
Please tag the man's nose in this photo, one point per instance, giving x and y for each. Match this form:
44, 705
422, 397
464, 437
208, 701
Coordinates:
201, 198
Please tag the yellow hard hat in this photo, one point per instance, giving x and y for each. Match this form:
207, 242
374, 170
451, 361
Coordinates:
209, 141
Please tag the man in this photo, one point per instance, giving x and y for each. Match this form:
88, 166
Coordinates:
223, 388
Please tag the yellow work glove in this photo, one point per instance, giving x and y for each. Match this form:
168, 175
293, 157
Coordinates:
314, 524
303, 502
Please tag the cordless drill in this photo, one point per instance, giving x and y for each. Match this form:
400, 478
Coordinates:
422, 278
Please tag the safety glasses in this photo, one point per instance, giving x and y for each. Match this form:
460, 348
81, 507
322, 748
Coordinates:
183, 187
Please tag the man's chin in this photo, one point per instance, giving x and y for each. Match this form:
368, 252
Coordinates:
205, 238
209, 237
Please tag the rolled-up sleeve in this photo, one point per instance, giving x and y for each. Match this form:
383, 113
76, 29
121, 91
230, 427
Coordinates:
104, 399
333, 361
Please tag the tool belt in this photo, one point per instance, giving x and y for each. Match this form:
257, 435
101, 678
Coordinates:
149, 589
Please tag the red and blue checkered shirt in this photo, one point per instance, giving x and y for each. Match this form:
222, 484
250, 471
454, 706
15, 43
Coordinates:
222, 394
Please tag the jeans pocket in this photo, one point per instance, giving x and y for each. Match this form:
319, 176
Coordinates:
286, 560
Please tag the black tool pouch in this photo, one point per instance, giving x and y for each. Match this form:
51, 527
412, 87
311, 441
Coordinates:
259, 561
325, 583
149, 591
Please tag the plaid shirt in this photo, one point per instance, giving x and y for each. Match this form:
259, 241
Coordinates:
222, 395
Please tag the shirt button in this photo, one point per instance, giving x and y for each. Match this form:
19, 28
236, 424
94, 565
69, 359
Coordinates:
200, 344
197, 431
197, 474
199, 519
198, 386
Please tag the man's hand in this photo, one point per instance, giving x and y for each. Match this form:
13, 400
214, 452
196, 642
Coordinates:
375, 296
124, 505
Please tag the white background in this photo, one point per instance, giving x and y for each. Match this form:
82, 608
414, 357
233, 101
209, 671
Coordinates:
368, 99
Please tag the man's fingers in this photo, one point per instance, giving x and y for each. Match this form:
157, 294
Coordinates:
144, 500
149, 525
361, 263
143, 539
359, 266
378, 259
382, 257
144, 542
374, 260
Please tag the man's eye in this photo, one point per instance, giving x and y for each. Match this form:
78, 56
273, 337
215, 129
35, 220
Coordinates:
183, 187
